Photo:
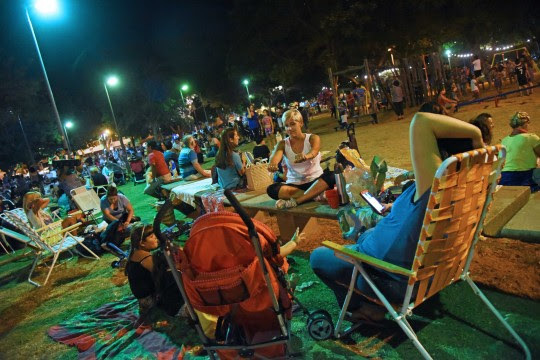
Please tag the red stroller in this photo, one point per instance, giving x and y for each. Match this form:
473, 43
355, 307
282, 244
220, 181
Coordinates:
230, 267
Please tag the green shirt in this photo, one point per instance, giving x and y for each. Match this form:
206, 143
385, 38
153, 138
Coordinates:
520, 155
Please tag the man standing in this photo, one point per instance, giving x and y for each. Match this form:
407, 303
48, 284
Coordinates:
159, 169
253, 122
360, 95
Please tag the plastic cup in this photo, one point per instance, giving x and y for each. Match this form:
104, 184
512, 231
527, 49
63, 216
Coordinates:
332, 197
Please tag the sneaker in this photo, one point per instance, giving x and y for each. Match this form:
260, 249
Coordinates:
286, 204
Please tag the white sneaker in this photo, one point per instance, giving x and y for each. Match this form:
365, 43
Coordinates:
286, 204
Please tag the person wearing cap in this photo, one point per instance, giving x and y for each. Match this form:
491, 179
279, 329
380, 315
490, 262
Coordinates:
522, 153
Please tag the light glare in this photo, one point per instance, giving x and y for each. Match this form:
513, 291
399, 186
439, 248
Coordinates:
112, 81
47, 7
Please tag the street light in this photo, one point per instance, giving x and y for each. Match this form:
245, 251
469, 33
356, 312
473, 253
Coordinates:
184, 87
246, 83
113, 81
48, 8
68, 125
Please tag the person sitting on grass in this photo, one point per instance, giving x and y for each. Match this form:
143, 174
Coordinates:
522, 153
150, 281
301, 156
395, 237
230, 165
190, 168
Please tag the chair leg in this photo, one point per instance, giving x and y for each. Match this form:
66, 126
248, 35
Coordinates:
345, 306
36, 259
498, 315
399, 318
4, 241
51, 268
90, 251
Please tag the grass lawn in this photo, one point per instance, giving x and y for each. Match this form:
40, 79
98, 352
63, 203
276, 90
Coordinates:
456, 325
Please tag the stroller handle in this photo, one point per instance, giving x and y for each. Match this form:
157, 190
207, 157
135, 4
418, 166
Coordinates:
166, 207
240, 211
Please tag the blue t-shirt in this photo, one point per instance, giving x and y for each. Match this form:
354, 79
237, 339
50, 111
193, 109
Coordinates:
123, 203
170, 155
395, 237
185, 162
228, 178
253, 122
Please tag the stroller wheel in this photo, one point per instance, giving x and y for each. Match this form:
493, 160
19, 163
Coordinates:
320, 325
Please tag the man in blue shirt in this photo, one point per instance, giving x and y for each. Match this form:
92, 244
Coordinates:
253, 122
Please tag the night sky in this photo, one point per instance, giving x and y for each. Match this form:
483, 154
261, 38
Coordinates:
92, 38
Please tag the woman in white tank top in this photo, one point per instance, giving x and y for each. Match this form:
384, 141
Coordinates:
300, 155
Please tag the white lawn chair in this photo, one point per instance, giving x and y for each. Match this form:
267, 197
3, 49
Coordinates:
88, 202
50, 239
16, 235
460, 196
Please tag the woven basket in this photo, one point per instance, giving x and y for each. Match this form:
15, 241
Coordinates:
258, 176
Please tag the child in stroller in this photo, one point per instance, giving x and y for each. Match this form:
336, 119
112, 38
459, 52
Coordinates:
233, 268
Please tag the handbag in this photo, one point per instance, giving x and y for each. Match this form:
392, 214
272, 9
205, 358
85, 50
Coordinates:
258, 177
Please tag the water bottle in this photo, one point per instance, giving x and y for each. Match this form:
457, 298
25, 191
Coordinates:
341, 184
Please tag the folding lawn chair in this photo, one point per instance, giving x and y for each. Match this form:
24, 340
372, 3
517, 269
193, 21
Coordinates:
88, 202
50, 239
25, 240
460, 196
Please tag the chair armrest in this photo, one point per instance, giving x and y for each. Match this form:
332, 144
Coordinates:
381, 264
69, 228
74, 213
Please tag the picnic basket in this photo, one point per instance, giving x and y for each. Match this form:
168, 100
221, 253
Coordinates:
257, 175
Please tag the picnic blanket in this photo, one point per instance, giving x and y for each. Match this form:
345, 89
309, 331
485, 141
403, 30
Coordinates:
114, 331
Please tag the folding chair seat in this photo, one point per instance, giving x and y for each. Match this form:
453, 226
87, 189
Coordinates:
88, 202
460, 196
51, 239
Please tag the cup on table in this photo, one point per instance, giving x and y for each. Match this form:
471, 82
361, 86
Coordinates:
332, 197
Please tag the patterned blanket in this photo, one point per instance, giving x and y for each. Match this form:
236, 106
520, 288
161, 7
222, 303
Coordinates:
114, 331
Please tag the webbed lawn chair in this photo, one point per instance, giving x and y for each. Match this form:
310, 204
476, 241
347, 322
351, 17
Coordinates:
460, 196
88, 202
25, 240
51, 239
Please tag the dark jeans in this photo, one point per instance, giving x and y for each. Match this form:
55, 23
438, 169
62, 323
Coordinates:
336, 274
519, 178
398, 108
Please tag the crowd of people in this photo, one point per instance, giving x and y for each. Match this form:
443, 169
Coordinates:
293, 154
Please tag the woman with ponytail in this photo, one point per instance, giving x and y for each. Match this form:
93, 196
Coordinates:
230, 165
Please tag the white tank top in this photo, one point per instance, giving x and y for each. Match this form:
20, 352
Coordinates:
306, 171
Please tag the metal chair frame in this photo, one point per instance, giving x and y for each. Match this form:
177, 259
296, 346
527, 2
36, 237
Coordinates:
461, 194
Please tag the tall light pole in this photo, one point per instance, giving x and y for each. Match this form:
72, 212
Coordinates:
112, 81
68, 125
183, 88
47, 7
246, 83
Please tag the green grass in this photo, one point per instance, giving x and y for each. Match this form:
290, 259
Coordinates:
456, 325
